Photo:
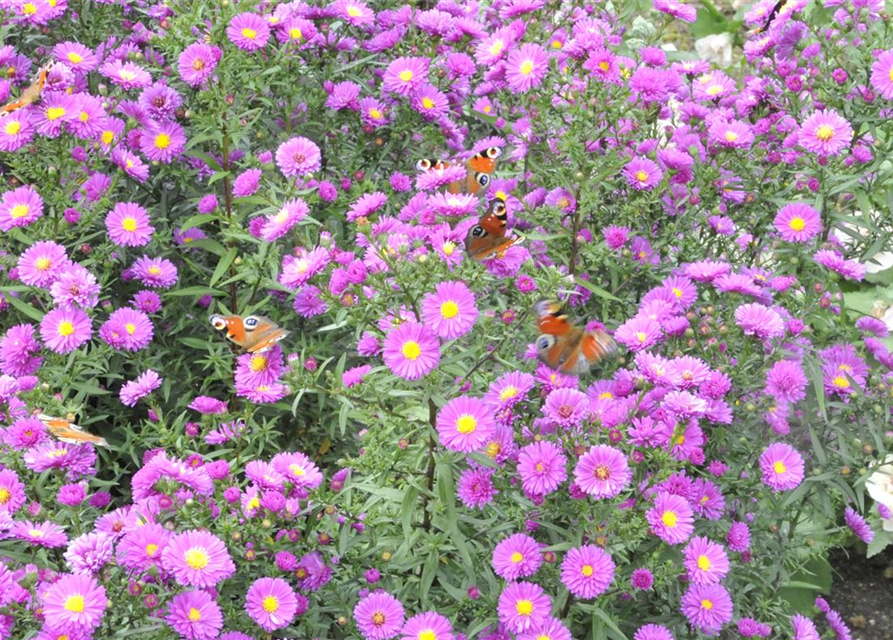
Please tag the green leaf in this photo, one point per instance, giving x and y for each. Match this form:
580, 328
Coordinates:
223, 265
708, 23
197, 220
408, 508
193, 291
596, 290
25, 308
882, 540
210, 245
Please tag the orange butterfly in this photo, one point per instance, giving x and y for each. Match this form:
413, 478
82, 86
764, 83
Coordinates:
253, 333
487, 238
479, 170
565, 347
66, 431
29, 95
772, 14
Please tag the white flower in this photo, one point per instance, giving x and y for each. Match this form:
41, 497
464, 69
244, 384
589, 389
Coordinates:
716, 48
880, 487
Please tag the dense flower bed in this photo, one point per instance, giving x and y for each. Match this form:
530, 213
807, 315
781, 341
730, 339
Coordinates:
387, 449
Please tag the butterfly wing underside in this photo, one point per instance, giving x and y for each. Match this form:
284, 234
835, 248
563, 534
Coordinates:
765, 25
566, 347
65, 431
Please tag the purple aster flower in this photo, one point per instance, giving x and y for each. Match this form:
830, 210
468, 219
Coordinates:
882, 74
366, 205
142, 548
127, 329
158, 273
75, 602
760, 321
405, 75
90, 552
195, 615
587, 571
542, 467
804, 629
197, 63
297, 157
248, 31
858, 525
450, 310
602, 472
639, 333
642, 579
786, 381
379, 616
671, 518
19, 207
825, 133
475, 488
782, 467
17, 351
677, 9
40, 264
705, 562
75, 286
411, 351
41, 534
429, 626
198, 559
738, 537
134, 390
247, 183
708, 607
65, 329
642, 173
517, 556
526, 67
271, 603
798, 222
465, 424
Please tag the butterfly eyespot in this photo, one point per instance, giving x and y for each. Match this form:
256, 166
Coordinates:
545, 342
477, 232
423, 165
494, 152
499, 207
218, 323
482, 179
250, 322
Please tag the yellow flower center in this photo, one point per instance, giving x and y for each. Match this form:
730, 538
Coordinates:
297, 470
779, 467
107, 137
254, 503
130, 328
295, 34
539, 467
54, 113
715, 90
680, 440
194, 615
587, 570
703, 563
29, 9
75, 58
448, 248
497, 47
527, 67
669, 519
427, 634
375, 114
66, 328
353, 12
12, 127
707, 604
125, 74
841, 382
517, 557
162, 141
508, 393
251, 34
151, 549
35, 533
797, 224
271, 604
411, 350
466, 424
378, 618
557, 44
129, 224
488, 109
258, 363
84, 117
43, 264
641, 176
449, 309
524, 607
427, 102
604, 65
824, 133
406, 75
75, 603
640, 335
731, 136
197, 559
5, 495
19, 211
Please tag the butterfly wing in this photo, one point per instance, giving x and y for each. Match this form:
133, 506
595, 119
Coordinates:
65, 431
566, 347
487, 238
232, 326
264, 335
29, 95
480, 168
769, 19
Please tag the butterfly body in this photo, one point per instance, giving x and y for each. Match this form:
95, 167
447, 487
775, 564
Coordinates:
254, 334
487, 238
566, 347
478, 170
65, 431
29, 95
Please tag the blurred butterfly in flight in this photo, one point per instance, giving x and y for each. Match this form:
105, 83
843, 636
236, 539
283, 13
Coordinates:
487, 238
769, 19
29, 95
478, 170
66, 431
253, 334
565, 347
